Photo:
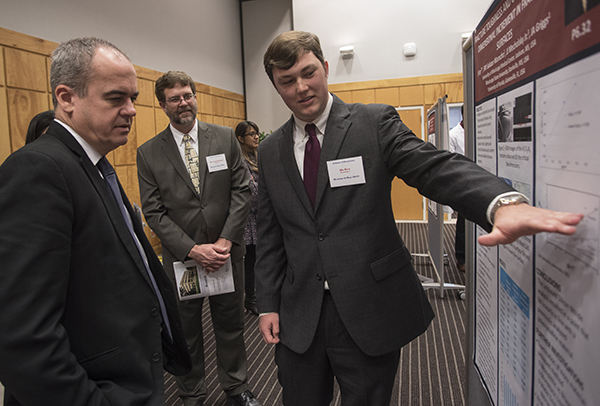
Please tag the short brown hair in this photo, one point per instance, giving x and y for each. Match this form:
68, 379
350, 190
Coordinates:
285, 49
169, 80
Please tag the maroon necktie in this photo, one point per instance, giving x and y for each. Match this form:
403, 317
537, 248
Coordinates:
312, 152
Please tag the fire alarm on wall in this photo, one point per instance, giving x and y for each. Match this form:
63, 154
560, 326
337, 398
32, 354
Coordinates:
410, 49
347, 51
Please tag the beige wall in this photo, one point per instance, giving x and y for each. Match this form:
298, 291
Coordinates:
25, 91
421, 91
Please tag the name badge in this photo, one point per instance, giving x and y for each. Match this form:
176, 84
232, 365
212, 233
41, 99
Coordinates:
346, 172
216, 163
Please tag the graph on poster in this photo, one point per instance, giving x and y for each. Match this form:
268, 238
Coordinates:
569, 118
581, 247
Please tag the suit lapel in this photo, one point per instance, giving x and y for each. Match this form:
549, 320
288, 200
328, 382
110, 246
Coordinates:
204, 141
123, 230
106, 196
335, 133
171, 151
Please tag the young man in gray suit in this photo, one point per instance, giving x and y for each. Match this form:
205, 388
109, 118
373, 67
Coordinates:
88, 316
336, 288
195, 196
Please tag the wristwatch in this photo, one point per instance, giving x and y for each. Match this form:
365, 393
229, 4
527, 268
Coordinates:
507, 199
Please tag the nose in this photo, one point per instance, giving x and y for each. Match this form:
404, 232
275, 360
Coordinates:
301, 86
129, 109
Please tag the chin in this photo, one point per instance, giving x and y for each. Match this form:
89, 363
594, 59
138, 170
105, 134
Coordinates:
185, 121
309, 115
122, 140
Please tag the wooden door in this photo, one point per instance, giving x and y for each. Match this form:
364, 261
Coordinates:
407, 203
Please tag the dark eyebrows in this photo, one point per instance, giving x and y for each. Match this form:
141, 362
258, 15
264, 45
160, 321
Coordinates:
307, 68
311, 66
122, 93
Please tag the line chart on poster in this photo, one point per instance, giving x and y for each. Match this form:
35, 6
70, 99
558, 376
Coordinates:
568, 117
581, 248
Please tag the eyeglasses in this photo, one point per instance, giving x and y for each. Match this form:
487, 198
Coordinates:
177, 99
252, 134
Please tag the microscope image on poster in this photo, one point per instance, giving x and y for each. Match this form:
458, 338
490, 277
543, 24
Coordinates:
515, 120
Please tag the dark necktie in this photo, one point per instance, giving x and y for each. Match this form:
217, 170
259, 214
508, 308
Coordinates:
312, 153
111, 179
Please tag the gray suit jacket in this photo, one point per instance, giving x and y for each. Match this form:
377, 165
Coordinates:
179, 216
350, 238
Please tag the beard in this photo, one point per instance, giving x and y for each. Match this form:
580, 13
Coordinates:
175, 116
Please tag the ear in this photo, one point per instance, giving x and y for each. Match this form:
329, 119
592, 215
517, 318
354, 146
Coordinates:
65, 97
163, 106
240, 139
326, 69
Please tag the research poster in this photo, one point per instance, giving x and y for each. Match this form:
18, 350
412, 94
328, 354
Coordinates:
537, 126
486, 260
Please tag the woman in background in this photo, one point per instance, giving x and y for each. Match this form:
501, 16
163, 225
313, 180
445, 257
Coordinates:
248, 135
38, 125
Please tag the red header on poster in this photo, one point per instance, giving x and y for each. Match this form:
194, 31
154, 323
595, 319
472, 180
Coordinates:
522, 37
431, 123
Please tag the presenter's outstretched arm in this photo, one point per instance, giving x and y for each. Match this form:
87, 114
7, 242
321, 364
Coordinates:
512, 222
269, 327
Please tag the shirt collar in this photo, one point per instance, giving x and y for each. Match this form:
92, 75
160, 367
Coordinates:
320, 122
178, 135
92, 154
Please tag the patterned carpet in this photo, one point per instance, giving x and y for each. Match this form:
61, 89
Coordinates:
432, 368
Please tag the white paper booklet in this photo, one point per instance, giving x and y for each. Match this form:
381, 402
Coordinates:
193, 282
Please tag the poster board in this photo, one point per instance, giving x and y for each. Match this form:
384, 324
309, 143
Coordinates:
534, 67
435, 211
438, 135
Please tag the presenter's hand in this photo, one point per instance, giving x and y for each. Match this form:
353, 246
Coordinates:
512, 222
269, 327
211, 256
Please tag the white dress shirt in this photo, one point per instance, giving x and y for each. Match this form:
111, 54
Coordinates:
178, 136
301, 137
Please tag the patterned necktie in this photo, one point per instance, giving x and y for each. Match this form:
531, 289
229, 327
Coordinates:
111, 179
312, 153
191, 159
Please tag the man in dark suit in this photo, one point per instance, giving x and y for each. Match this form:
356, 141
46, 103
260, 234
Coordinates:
89, 316
336, 288
198, 208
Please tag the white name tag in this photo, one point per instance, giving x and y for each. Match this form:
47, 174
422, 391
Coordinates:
346, 172
216, 163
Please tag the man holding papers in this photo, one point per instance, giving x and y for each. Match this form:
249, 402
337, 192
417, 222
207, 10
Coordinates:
195, 196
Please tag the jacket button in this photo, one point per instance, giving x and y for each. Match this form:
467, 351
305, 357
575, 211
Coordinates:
154, 312
321, 237
319, 278
155, 357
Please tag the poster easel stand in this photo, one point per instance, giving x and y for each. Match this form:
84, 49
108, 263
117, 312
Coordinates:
437, 130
